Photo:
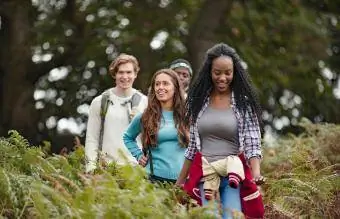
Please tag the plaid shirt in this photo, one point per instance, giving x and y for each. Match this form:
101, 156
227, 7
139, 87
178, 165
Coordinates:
249, 133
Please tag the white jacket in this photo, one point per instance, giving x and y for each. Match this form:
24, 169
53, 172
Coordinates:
116, 122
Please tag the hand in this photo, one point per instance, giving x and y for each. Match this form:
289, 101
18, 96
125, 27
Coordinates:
179, 184
259, 180
255, 170
143, 160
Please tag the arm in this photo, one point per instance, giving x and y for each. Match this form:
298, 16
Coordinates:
192, 146
255, 167
184, 172
92, 135
189, 155
130, 136
252, 143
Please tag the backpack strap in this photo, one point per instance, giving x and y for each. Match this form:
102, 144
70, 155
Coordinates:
135, 99
147, 151
104, 105
151, 163
131, 103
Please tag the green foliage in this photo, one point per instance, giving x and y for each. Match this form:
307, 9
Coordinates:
303, 173
291, 49
34, 185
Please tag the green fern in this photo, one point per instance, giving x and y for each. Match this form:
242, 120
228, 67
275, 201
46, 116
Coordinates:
302, 173
303, 178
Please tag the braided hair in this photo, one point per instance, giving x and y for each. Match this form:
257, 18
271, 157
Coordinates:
244, 91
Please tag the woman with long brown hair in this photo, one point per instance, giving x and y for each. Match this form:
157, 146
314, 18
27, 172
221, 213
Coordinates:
162, 127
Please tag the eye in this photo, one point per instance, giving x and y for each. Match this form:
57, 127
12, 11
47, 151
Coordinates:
217, 72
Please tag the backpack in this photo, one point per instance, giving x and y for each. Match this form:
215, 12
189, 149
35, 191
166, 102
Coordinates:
104, 105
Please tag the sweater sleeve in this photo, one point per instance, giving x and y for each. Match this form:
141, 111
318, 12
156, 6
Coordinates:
130, 135
92, 135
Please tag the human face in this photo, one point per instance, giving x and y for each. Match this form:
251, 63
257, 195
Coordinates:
222, 73
184, 76
164, 89
125, 76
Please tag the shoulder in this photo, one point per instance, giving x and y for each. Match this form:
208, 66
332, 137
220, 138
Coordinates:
96, 102
144, 98
137, 92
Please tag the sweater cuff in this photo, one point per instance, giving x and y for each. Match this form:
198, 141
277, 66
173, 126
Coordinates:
254, 154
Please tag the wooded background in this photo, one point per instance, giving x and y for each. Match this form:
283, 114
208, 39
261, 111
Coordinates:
54, 54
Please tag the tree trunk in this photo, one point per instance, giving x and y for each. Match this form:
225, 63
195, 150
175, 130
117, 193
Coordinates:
17, 103
202, 33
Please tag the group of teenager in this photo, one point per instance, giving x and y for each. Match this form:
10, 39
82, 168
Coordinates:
216, 115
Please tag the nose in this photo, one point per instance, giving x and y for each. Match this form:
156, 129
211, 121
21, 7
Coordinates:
125, 75
159, 87
222, 78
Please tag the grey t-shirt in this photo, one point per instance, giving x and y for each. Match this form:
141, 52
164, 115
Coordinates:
218, 133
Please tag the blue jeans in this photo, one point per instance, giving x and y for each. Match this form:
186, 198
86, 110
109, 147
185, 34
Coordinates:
230, 198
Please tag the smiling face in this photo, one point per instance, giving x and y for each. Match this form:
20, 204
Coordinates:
222, 73
125, 76
164, 89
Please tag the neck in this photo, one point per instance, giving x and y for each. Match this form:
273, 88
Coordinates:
216, 93
123, 92
168, 106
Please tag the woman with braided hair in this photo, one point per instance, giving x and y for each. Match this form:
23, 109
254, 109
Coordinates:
225, 120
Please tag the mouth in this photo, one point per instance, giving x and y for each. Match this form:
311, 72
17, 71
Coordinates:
222, 85
160, 93
125, 82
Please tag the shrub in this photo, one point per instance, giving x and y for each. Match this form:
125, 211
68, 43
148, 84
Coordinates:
34, 185
303, 173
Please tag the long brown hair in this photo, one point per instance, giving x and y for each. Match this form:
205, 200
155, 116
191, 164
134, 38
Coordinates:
151, 118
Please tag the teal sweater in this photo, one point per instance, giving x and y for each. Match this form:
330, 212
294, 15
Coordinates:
168, 156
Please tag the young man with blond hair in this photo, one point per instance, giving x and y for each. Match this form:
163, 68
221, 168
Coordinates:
110, 114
